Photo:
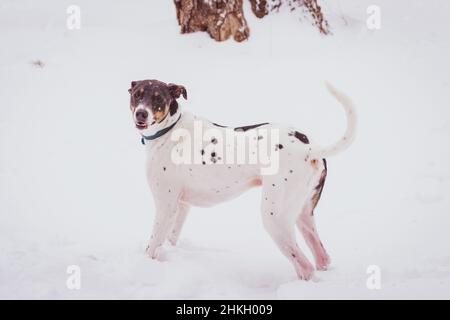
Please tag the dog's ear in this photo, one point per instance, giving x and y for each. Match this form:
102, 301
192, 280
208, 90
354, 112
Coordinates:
176, 91
133, 84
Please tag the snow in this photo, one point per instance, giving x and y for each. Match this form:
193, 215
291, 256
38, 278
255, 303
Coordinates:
72, 185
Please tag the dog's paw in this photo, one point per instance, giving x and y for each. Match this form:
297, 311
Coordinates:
323, 263
172, 241
151, 253
157, 254
306, 273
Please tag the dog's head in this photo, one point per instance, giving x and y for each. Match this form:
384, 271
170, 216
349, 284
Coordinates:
151, 101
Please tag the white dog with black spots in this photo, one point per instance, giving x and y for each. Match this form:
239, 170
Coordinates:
185, 168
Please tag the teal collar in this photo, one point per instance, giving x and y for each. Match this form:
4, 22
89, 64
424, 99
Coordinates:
159, 133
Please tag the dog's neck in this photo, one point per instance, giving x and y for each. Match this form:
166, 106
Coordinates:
160, 129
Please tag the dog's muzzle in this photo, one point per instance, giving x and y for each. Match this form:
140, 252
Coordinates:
141, 119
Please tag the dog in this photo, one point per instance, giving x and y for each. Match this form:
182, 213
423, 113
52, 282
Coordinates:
289, 196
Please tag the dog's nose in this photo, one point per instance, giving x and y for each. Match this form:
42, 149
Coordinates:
141, 115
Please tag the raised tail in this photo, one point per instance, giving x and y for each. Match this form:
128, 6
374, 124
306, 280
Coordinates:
349, 136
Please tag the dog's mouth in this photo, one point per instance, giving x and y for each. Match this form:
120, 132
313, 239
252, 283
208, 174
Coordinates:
141, 125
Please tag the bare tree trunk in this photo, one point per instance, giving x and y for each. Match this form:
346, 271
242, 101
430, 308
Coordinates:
316, 13
223, 19
262, 8
220, 18
259, 8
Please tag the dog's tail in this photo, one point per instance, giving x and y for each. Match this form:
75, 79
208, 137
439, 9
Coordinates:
349, 135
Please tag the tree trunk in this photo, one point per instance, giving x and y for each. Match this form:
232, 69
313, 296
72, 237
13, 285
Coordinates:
259, 8
225, 18
316, 13
220, 18
262, 8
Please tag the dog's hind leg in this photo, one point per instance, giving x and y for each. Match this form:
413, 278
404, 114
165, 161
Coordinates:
307, 226
183, 209
278, 213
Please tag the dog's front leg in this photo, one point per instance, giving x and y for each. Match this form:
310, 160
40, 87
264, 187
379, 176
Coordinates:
164, 219
174, 234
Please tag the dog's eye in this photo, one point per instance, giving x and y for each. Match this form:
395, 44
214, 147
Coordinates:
158, 102
138, 95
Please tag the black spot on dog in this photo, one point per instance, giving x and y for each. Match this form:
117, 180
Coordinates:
203, 162
290, 171
220, 126
213, 160
300, 136
271, 213
273, 184
213, 154
202, 152
164, 168
285, 179
278, 147
213, 140
260, 137
245, 128
319, 188
293, 255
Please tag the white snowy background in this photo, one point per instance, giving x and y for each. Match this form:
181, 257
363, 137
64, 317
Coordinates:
72, 184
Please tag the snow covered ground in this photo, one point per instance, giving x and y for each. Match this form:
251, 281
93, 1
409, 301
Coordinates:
72, 188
